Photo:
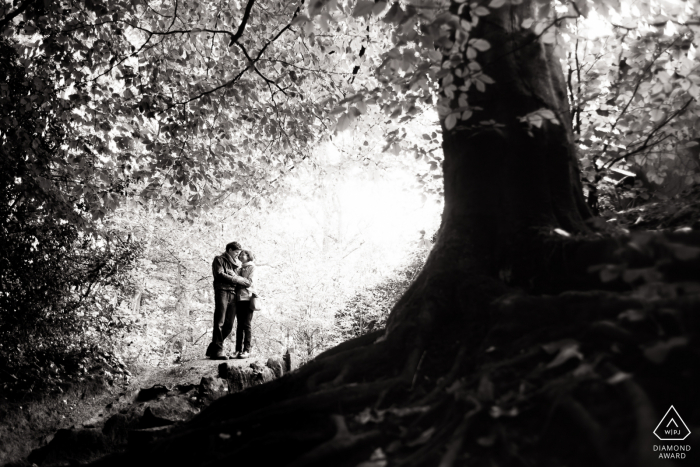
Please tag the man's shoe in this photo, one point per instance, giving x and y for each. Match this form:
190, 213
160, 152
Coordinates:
235, 355
244, 354
219, 355
210, 350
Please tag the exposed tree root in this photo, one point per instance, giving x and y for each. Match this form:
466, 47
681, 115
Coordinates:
646, 418
447, 380
590, 428
455, 445
341, 442
574, 379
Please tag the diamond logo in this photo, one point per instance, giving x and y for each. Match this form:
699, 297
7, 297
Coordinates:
672, 427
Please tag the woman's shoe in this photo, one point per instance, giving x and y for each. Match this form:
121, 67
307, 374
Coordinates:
218, 355
235, 355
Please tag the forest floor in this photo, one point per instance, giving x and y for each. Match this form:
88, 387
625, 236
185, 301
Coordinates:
29, 423
675, 213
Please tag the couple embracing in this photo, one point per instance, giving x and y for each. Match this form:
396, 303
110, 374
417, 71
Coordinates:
233, 272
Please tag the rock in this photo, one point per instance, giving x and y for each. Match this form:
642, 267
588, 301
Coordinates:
256, 366
95, 422
291, 362
212, 388
276, 365
185, 388
264, 376
172, 409
240, 378
150, 420
225, 368
155, 392
261, 373
74, 446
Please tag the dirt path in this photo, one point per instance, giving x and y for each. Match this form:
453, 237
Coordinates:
190, 372
28, 424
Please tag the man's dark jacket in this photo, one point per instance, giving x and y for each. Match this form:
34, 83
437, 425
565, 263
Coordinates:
224, 271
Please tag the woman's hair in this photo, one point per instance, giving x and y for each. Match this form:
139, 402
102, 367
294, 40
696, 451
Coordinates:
249, 254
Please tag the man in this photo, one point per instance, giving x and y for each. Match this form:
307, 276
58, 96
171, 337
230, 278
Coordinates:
225, 270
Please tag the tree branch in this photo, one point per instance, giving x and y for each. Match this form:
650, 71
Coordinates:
645, 144
10, 16
244, 21
634, 93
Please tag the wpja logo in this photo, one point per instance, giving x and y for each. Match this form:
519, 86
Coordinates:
672, 428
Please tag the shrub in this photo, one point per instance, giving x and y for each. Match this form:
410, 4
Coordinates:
368, 310
58, 282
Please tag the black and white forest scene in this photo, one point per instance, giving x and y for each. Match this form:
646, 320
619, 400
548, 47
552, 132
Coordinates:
350, 233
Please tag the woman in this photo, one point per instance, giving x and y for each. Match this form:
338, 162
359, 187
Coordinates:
244, 312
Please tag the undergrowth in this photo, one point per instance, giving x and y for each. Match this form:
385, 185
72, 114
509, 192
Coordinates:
27, 423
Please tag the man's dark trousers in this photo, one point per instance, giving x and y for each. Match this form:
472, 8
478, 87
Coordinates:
224, 314
245, 317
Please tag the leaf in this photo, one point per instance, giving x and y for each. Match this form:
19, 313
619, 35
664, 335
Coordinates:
659, 352
549, 38
480, 44
497, 412
496, 3
377, 459
481, 11
299, 19
684, 252
657, 115
609, 273
566, 353
378, 8
618, 377
553, 347
363, 8
527, 23
546, 113
343, 123
632, 315
451, 121
395, 14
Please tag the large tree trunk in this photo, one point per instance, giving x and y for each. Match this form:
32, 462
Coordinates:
509, 182
455, 332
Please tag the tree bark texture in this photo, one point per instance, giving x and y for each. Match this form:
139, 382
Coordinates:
505, 180
508, 184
